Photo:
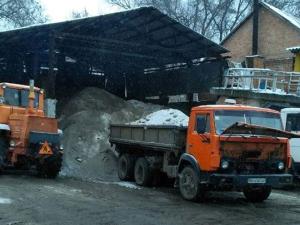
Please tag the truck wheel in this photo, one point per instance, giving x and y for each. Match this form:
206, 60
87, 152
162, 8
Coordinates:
142, 172
50, 167
257, 194
126, 167
189, 185
293, 170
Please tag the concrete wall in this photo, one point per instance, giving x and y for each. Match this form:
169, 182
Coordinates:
275, 35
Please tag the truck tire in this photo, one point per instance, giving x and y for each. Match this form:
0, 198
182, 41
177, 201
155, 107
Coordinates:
189, 185
126, 167
257, 194
293, 170
142, 172
50, 167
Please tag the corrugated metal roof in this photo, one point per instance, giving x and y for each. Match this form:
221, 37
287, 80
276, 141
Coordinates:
140, 33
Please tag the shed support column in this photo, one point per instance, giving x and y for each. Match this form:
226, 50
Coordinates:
35, 65
50, 78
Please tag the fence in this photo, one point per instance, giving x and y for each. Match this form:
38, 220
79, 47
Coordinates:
263, 80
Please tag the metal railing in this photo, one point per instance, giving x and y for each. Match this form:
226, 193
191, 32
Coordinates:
263, 80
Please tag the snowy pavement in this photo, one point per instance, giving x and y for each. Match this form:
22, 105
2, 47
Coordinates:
26, 200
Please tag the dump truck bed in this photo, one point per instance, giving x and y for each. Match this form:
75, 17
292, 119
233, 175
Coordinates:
161, 138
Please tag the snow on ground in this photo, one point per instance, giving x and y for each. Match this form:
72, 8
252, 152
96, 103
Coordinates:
5, 201
124, 184
59, 189
127, 185
164, 117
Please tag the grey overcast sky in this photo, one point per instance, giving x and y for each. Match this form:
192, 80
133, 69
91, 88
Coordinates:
59, 10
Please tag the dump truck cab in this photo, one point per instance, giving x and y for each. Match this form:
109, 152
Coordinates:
235, 147
212, 139
28, 138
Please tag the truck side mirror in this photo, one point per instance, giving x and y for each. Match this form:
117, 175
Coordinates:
201, 124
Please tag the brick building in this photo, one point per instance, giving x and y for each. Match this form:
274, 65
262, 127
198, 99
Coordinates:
276, 32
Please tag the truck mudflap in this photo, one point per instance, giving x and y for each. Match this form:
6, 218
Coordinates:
240, 181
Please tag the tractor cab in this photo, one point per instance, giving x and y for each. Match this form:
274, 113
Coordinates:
17, 95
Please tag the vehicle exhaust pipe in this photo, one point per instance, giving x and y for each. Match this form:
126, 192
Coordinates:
31, 97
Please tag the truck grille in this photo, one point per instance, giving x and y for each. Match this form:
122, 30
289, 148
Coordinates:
253, 158
255, 167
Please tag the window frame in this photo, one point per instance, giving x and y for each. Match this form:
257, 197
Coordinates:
207, 122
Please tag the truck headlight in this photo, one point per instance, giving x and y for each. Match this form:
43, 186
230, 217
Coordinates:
12, 143
280, 166
224, 164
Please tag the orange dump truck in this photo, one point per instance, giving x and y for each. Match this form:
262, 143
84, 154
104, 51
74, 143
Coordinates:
224, 147
28, 138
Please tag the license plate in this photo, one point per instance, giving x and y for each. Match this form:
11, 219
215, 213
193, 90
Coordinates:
256, 180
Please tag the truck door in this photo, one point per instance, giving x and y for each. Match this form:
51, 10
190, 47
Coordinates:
199, 141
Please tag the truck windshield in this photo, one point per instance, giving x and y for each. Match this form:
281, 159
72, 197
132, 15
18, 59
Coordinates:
17, 97
293, 122
226, 118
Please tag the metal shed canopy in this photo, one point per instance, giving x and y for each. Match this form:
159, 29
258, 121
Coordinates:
143, 37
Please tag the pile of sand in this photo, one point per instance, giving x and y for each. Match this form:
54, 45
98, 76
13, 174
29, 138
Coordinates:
85, 121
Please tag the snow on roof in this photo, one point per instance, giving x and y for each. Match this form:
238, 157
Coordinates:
292, 19
294, 49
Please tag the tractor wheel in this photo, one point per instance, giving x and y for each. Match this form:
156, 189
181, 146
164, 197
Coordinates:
126, 167
189, 185
142, 172
3, 151
49, 167
257, 194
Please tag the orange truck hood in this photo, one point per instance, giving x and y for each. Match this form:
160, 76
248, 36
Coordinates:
255, 130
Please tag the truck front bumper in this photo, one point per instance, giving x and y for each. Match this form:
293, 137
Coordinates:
240, 181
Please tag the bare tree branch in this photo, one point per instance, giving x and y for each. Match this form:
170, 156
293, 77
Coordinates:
18, 13
212, 18
80, 14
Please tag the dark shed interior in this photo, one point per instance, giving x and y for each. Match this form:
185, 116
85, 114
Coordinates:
133, 54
